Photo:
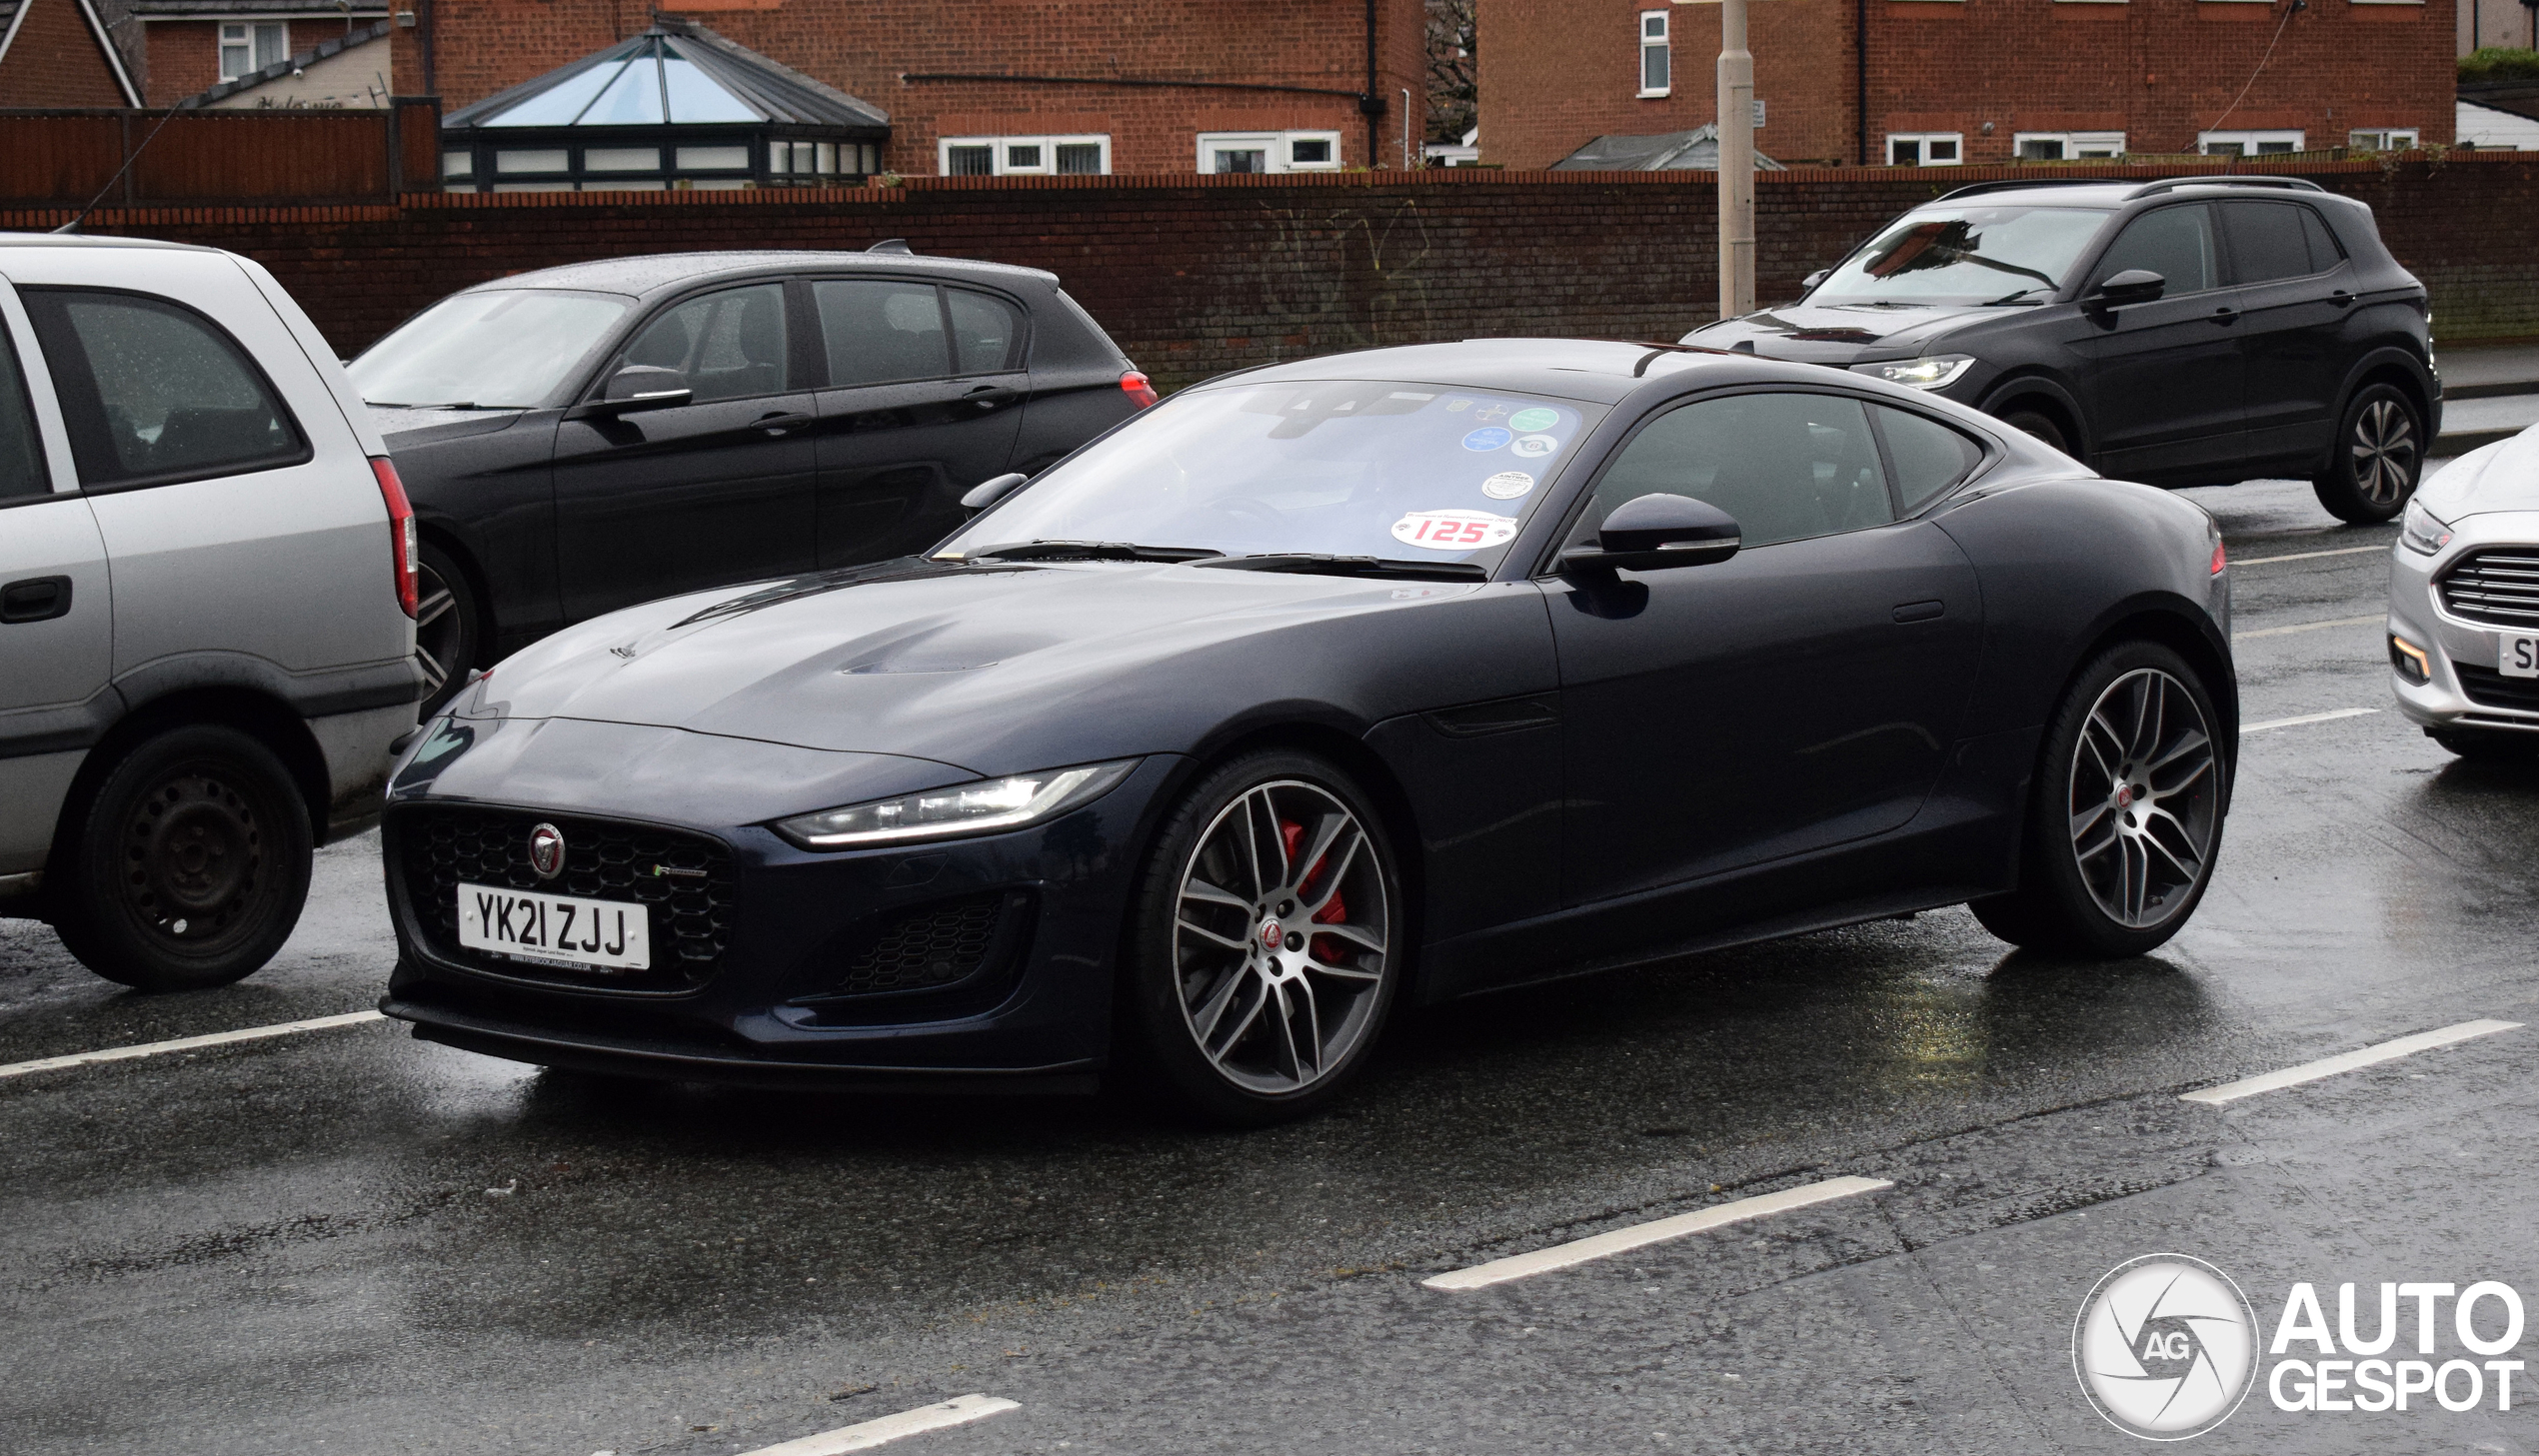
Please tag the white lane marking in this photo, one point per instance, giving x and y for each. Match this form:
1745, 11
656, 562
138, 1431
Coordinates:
2311, 556
957, 1413
2310, 626
2246, 729
2311, 1071
1641, 1235
188, 1043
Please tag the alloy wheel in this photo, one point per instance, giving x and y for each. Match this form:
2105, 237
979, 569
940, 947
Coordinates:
2384, 449
2144, 801
1281, 938
439, 630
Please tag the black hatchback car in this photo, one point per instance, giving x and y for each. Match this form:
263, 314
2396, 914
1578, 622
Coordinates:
2189, 332
584, 438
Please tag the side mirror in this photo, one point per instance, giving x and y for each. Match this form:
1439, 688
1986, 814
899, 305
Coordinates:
1655, 532
644, 386
2133, 286
992, 490
1811, 280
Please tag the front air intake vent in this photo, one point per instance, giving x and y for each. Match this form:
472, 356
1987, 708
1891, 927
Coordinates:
940, 958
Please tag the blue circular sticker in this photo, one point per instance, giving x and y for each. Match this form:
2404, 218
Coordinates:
1488, 438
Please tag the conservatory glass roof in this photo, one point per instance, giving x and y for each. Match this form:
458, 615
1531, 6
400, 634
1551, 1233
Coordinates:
685, 76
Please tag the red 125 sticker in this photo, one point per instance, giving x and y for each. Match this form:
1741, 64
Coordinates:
1453, 529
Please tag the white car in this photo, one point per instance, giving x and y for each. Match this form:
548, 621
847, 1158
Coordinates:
2464, 602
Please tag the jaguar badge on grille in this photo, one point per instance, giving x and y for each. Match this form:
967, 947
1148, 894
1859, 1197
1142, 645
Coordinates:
545, 850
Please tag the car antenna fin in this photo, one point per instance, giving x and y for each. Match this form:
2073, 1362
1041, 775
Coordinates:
890, 244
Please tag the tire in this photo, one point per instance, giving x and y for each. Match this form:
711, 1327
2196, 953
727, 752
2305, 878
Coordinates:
449, 627
2487, 747
189, 866
2040, 425
2100, 875
2378, 458
1199, 960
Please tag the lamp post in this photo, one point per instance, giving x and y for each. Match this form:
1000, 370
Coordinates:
1736, 160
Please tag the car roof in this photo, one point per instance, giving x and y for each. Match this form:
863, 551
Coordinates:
1598, 371
656, 271
2117, 191
82, 240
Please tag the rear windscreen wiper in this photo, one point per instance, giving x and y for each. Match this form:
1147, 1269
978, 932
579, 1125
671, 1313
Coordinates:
1317, 565
1088, 550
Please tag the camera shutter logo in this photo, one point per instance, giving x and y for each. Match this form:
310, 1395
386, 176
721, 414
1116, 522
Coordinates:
2165, 1347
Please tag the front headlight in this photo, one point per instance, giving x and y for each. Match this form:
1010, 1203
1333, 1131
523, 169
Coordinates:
1930, 372
2422, 530
964, 808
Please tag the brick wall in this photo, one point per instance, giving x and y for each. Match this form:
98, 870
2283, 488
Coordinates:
1200, 274
865, 47
1556, 73
56, 61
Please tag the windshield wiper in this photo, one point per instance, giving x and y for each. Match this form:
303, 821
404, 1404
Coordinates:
395, 405
1089, 550
2012, 298
1317, 564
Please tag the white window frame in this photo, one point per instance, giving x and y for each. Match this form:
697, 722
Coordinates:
998, 154
2077, 146
1926, 139
1657, 29
1278, 149
2251, 143
2389, 138
243, 34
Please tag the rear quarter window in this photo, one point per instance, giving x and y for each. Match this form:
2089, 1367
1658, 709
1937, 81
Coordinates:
154, 393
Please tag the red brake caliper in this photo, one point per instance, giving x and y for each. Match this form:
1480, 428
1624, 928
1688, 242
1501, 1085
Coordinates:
1335, 912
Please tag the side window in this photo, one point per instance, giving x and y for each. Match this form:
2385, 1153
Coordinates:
731, 345
986, 331
1928, 455
2324, 254
1784, 465
155, 393
2174, 242
21, 452
879, 331
2265, 241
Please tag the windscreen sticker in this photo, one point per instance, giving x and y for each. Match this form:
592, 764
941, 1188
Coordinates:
1489, 439
1508, 485
1491, 414
1533, 446
1534, 418
1457, 405
1453, 529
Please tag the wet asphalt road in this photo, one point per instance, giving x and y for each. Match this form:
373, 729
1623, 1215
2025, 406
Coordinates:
349, 1242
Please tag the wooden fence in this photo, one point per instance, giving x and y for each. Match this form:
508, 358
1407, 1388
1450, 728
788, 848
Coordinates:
254, 157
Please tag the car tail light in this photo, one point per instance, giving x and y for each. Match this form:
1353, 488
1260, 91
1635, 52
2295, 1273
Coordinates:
2220, 558
1134, 383
401, 530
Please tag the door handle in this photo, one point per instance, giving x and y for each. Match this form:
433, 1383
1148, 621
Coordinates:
780, 422
2341, 299
1920, 611
2225, 314
988, 396
37, 599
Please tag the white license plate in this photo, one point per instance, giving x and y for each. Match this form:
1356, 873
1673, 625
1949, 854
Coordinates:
2518, 656
554, 929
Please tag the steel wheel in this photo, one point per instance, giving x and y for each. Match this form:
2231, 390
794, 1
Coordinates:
2384, 451
2143, 799
1280, 938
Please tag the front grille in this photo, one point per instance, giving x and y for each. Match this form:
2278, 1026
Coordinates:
2498, 584
926, 946
441, 846
2486, 687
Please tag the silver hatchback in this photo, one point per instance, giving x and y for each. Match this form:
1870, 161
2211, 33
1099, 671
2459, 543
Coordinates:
207, 597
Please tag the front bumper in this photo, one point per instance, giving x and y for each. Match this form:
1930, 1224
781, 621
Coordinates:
779, 987
2463, 687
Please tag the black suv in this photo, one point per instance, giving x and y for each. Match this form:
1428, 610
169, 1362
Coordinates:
2191, 331
584, 438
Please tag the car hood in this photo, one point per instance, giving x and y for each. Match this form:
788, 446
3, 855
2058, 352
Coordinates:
405, 429
1842, 334
2503, 476
1002, 669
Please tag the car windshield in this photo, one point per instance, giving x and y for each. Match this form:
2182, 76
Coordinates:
1342, 468
1966, 254
491, 348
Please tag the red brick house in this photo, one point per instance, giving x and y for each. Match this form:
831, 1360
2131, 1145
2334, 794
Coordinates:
57, 53
1942, 82
194, 45
1017, 86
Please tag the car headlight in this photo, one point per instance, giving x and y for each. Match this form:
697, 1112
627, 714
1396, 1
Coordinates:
1930, 372
2422, 530
964, 808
